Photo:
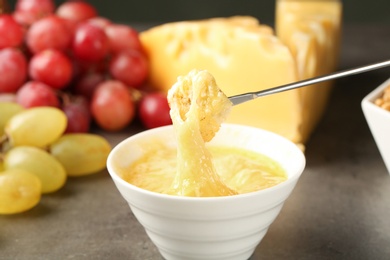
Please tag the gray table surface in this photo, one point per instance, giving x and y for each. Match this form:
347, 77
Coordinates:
340, 208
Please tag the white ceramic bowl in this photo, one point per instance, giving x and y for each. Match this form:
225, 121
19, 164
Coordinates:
222, 228
378, 120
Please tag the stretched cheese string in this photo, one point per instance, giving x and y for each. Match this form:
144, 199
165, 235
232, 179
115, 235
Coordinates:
198, 107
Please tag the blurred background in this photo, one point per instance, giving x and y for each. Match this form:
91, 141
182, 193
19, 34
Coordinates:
157, 11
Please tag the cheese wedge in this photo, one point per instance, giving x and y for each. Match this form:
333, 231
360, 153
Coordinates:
243, 56
311, 30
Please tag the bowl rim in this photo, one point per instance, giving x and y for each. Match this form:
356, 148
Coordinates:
128, 185
376, 92
374, 114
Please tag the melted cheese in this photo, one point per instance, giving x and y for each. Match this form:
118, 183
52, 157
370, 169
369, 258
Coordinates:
241, 170
198, 108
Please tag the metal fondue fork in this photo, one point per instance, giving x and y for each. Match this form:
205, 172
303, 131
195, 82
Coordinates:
241, 98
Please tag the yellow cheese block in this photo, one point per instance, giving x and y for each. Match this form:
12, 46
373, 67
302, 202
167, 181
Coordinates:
243, 56
311, 30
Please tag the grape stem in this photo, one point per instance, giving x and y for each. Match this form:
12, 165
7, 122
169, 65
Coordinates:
4, 144
3, 138
136, 94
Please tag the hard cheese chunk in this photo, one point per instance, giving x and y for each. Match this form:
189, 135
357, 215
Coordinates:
311, 30
243, 56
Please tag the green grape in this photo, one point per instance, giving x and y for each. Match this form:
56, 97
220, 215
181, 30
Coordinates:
81, 154
37, 126
39, 162
19, 191
8, 110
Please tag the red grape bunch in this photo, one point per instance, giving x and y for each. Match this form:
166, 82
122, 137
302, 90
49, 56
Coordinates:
71, 58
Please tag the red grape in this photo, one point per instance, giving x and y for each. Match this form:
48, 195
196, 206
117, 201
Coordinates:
23, 18
11, 32
30, 11
122, 37
112, 105
100, 22
76, 10
48, 33
34, 93
71, 26
90, 43
39, 7
52, 68
13, 69
83, 67
77, 112
87, 84
130, 67
154, 110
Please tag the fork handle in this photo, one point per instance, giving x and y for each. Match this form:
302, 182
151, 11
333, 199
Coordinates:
238, 99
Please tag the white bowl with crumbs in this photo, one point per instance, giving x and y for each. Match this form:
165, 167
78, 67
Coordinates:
376, 108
